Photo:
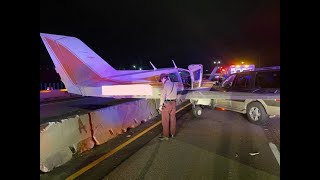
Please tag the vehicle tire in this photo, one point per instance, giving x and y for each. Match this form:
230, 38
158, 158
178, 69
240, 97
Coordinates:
197, 111
256, 113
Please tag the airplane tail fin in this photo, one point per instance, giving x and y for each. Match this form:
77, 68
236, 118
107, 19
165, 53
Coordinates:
74, 61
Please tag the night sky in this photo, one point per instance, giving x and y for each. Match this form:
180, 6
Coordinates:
134, 32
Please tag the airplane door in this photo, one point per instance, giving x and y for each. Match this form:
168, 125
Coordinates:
196, 71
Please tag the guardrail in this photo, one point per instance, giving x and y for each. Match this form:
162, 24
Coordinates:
52, 86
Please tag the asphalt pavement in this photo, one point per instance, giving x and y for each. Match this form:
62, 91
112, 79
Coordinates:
217, 145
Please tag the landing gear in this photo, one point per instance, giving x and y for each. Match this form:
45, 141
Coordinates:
198, 104
197, 111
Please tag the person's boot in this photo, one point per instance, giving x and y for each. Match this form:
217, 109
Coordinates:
163, 138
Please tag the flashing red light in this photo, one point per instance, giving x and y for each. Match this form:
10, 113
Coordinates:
220, 109
278, 100
45, 91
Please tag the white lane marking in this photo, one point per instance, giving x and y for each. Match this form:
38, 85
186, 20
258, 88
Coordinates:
254, 153
275, 151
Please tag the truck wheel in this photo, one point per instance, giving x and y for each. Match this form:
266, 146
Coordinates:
256, 113
197, 111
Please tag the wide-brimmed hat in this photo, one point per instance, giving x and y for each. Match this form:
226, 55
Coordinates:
163, 75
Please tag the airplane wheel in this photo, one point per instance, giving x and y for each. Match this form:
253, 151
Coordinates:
197, 111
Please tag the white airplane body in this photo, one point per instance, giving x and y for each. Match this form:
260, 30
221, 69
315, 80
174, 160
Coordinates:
85, 73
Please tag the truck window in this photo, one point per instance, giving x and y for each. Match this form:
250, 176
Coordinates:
242, 81
268, 79
228, 82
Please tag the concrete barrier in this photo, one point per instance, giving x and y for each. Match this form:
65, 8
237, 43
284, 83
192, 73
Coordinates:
58, 141
111, 121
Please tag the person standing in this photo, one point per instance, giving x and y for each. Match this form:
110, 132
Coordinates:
168, 107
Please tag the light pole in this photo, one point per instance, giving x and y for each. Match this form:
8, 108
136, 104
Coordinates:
134, 66
217, 63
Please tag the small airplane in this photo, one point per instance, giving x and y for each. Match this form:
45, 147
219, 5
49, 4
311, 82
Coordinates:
85, 73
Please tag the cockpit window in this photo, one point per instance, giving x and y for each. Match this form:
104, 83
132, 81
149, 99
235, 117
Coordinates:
196, 75
185, 77
174, 77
